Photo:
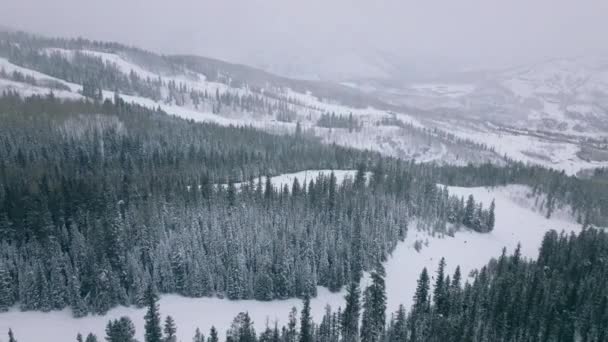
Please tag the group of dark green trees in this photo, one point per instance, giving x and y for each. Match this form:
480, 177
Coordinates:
100, 200
331, 120
560, 296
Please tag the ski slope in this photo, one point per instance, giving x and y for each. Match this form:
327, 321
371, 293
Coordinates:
515, 222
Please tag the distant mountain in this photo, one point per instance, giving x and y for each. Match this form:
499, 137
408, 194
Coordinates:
555, 111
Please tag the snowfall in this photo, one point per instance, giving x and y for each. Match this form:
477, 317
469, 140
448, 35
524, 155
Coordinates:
516, 221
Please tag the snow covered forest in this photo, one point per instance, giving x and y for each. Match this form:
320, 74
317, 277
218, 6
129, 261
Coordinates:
106, 202
557, 297
115, 202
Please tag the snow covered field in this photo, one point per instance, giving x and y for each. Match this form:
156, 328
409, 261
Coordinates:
515, 222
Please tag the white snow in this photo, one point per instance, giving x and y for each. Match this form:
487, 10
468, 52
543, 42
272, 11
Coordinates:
9, 68
515, 222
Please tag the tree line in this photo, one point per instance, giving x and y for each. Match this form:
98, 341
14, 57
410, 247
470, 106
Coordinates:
560, 296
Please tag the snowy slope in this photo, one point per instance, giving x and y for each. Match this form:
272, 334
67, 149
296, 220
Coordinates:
515, 222
553, 114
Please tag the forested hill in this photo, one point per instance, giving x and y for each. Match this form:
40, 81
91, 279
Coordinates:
561, 296
101, 200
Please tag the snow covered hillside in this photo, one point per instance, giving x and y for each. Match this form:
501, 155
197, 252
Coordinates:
515, 223
553, 113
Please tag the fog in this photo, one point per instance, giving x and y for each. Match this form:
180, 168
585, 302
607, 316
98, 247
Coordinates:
301, 36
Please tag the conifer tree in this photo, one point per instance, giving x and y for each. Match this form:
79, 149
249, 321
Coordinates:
152, 323
170, 330
469, 212
120, 330
306, 324
374, 308
398, 331
491, 216
198, 336
440, 290
351, 313
213, 336
91, 338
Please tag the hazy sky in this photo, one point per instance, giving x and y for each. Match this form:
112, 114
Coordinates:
459, 33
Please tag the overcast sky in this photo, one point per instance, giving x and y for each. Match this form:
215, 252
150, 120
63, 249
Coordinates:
458, 33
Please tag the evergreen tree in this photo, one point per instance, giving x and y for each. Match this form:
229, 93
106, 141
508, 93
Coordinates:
241, 329
198, 336
170, 330
213, 336
441, 291
120, 330
469, 212
91, 338
398, 330
351, 313
291, 334
306, 324
491, 217
374, 308
152, 323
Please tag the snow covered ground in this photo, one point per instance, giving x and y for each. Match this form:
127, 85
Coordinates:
515, 222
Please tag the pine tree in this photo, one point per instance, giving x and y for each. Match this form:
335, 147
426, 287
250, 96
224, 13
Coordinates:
213, 336
291, 333
421, 308
421, 297
357, 250
491, 217
152, 324
360, 176
170, 330
398, 331
469, 212
440, 291
374, 308
120, 330
91, 338
241, 329
198, 336
306, 324
351, 314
